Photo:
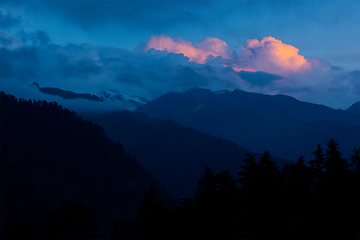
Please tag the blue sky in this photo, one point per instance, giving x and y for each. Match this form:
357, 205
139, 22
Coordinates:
87, 46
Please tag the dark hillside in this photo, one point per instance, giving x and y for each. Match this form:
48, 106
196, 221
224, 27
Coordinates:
49, 154
176, 155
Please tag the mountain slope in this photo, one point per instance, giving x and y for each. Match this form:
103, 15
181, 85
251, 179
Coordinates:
355, 108
49, 154
176, 155
280, 124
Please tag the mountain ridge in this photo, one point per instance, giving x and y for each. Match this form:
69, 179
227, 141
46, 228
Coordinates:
257, 121
169, 150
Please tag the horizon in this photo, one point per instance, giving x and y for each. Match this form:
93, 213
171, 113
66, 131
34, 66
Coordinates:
153, 47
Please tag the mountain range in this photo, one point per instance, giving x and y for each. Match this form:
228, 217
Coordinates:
286, 127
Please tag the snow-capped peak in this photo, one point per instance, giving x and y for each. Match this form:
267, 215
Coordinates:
114, 95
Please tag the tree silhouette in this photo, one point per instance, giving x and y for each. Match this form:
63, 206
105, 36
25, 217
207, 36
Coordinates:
317, 167
122, 230
16, 229
206, 186
354, 164
152, 217
72, 220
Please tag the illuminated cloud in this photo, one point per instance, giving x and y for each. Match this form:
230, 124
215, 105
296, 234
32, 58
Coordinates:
273, 56
267, 54
199, 53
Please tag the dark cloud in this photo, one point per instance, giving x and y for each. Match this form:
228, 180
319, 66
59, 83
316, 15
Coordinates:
9, 42
144, 15
81, 68
357, 89
129, 78
259, 78
187, 77
9, 21
42, 38
353, 79
336, 68
20, 64
34, 38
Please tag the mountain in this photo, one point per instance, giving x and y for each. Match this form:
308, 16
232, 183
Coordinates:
355, 108
49, 154
114, 95
176, 155
284, 126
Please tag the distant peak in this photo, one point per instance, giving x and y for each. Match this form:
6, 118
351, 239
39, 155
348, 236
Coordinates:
35, 84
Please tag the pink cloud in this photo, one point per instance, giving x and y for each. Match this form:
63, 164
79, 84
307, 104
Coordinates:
267, 54
273, 56
199, 52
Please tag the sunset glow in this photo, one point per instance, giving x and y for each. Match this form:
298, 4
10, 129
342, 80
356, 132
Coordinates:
210, 46
267, 55
273, 56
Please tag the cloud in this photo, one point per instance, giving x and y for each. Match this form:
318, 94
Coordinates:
200, 52
259, 78
273, 56
9, 42
177, 64
267, 54
337, 68
8, 21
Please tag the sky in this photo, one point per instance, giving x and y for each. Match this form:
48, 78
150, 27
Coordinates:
306, 49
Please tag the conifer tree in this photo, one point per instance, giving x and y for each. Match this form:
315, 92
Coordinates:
248, 175
122, 230
72, 220
316, 167
354, 164
206, 186
152, 217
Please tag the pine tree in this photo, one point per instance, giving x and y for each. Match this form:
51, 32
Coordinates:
354, 164
122, 230
72, 220
249, 173
152, 217
206, 186
316, 167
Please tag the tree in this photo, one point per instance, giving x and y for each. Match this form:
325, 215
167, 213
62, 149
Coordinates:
206, 186
316, 167
248, 175
122, 230
354, 164
335, 165
152, 217
17, 229
72, 220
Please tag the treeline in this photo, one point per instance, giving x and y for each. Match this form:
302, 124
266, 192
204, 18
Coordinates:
315, 201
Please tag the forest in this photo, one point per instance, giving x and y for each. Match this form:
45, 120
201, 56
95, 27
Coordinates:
314, 200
